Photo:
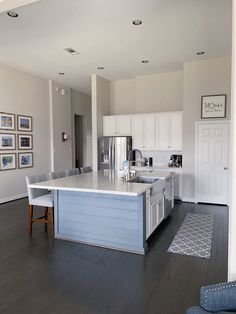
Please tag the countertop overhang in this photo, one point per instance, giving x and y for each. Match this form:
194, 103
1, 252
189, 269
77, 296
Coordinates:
105, 181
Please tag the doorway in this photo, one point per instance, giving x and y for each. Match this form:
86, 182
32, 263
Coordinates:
212, 158
79, 141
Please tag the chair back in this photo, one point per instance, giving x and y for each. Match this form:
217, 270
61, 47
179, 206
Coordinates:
33, 193
85, 169
72, 172
57, 175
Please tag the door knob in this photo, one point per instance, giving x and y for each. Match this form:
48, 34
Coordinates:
225, 168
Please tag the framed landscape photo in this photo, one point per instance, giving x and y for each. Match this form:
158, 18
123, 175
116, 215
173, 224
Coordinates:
7, 161
25, 160
25, 141
213, 106
7, 121
24, 123
7, 141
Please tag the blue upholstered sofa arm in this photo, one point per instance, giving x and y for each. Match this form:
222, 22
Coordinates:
219, 298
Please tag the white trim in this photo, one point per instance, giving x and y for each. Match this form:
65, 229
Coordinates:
188, 200
94, 123
51, 124
232, 187
197, 124
13, 198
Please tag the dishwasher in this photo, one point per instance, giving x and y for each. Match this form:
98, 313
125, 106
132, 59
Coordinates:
169, 196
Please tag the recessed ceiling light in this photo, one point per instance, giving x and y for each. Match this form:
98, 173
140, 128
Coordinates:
100, 68
61, 73
137, 22
200, 53
71, 51
145, 61
12, 14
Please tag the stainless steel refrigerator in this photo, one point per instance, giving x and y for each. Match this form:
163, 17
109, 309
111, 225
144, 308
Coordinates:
113, 151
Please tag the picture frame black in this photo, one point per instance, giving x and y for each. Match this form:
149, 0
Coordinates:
4, 115
26, 128
20, 165
213, 106
15, 161
23, 147
6, 148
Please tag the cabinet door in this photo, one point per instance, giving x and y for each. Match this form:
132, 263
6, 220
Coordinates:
123, 125
154, 219
138, 132
176, 130
163, 132
150, 131
109, 126
178, 186
148, 230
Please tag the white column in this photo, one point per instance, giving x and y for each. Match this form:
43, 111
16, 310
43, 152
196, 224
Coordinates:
94, 122
232, 208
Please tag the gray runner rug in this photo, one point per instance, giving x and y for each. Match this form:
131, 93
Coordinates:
194, 236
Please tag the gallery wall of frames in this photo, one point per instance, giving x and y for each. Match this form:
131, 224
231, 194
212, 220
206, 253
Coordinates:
16, 141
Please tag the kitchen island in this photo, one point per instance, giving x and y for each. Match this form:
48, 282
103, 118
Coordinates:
99, 208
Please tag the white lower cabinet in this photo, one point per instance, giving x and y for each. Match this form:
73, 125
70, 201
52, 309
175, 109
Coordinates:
178, 186
154, 212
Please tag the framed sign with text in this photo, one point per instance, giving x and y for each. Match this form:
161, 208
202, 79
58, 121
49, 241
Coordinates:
213, 106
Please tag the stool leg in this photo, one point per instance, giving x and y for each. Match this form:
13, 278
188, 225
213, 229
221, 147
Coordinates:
30, 217
52, 220
46, 216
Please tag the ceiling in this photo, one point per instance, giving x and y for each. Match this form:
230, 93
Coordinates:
11, 4
102, 31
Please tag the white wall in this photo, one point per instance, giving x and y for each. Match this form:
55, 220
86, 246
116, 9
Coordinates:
22, 93
100, 107
149, 93
207, 77
60, 106
81, 105
232, 207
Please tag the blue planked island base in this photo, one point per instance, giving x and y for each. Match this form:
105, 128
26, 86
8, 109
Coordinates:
106, 220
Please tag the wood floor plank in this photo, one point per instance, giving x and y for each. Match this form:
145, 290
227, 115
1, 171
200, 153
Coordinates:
41, 275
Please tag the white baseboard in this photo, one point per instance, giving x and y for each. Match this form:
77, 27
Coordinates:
188, 200
12, 198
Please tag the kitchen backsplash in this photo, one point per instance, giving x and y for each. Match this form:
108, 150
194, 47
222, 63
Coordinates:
160, 156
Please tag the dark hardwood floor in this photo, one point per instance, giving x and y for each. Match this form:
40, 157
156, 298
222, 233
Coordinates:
39, 275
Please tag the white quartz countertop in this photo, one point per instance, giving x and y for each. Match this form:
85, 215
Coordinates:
104, 181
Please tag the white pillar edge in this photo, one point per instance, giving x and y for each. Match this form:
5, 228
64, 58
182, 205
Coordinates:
232, 207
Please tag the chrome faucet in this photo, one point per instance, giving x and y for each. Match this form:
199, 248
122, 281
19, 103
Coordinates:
130, 161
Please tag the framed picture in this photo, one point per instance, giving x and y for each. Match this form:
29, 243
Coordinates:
24, 123
7, 121
25, 160
7, 141
7, 161
25, 141
213, 106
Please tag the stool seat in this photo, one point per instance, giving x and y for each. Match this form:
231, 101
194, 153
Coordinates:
44, 200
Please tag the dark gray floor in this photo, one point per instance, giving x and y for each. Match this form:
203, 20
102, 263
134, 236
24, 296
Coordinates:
39, 275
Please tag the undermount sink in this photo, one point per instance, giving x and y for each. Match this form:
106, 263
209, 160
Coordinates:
147, 180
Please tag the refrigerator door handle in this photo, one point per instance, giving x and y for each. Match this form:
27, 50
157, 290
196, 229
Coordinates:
110, 153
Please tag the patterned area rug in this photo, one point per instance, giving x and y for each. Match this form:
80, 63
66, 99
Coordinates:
194, 237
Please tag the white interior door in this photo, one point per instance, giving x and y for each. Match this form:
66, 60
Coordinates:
212, 163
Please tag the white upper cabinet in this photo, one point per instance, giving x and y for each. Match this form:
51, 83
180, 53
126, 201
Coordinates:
153, 131
176, 130
117, 125
143, 131
169, 131
123, 125
109, 126
150, 132
163, 131
138, 132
